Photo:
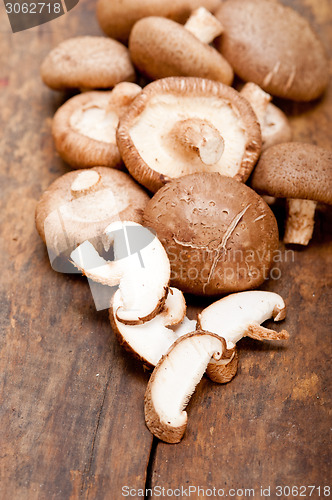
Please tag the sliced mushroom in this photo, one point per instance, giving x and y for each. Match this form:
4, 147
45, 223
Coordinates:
88, 62
80, 204
143, 276
239, 315
275, 47
84, 127
302, 173
151, 340
274, 123
160, 48
174, 380
178, 126
117, 17
219, 234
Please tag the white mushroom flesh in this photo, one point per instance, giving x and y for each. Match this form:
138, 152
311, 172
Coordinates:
152, 130
204, 25
300, 221
152, 339
179, 373
273, 122
95, 123
85, 182
145, 269
87, 259
232, 316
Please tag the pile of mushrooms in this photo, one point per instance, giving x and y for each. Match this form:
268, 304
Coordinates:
180, 218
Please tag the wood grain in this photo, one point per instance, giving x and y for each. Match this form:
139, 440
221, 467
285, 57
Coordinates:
71, 412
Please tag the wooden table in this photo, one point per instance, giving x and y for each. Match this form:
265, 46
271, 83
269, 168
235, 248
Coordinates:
72, 423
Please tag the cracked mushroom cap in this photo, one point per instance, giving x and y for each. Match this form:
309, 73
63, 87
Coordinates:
117, 17
220, 235
89, 62
182, 125
84, 127
80, 204
272, 45
295, 170
160, 48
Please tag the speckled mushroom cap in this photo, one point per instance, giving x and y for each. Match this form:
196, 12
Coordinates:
295, 170
160, 48
89, 62
84, 127
67, 215
117, 17
219, 234
152, 134
273, 46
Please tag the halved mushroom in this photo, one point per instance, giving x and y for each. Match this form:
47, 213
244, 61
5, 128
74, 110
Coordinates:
302, 173
151, 340
274, 46
174, 380
237, 316
219, 234
117, 17
274, 123
178, 126
80, 204
87, 62
84, 127
160, 48
143, 276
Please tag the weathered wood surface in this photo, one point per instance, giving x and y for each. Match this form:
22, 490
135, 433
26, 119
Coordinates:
72, 423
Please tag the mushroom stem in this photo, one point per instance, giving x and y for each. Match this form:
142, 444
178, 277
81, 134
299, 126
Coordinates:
122, 96
86, 182
300, 221
258, 100
204, 25
200, 137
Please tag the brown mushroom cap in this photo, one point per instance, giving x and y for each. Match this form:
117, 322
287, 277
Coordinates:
67, 214
160, 48
89, 62
219, 234
150, 148
273, 46
295, 170
117, 17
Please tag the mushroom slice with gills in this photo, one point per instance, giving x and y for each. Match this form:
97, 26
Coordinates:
301, 173
79, 205
87, 62
84, 127
183, 125
141, 268
149, 341
160, 48
117, 18
174, 380
239, 315
274, 123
